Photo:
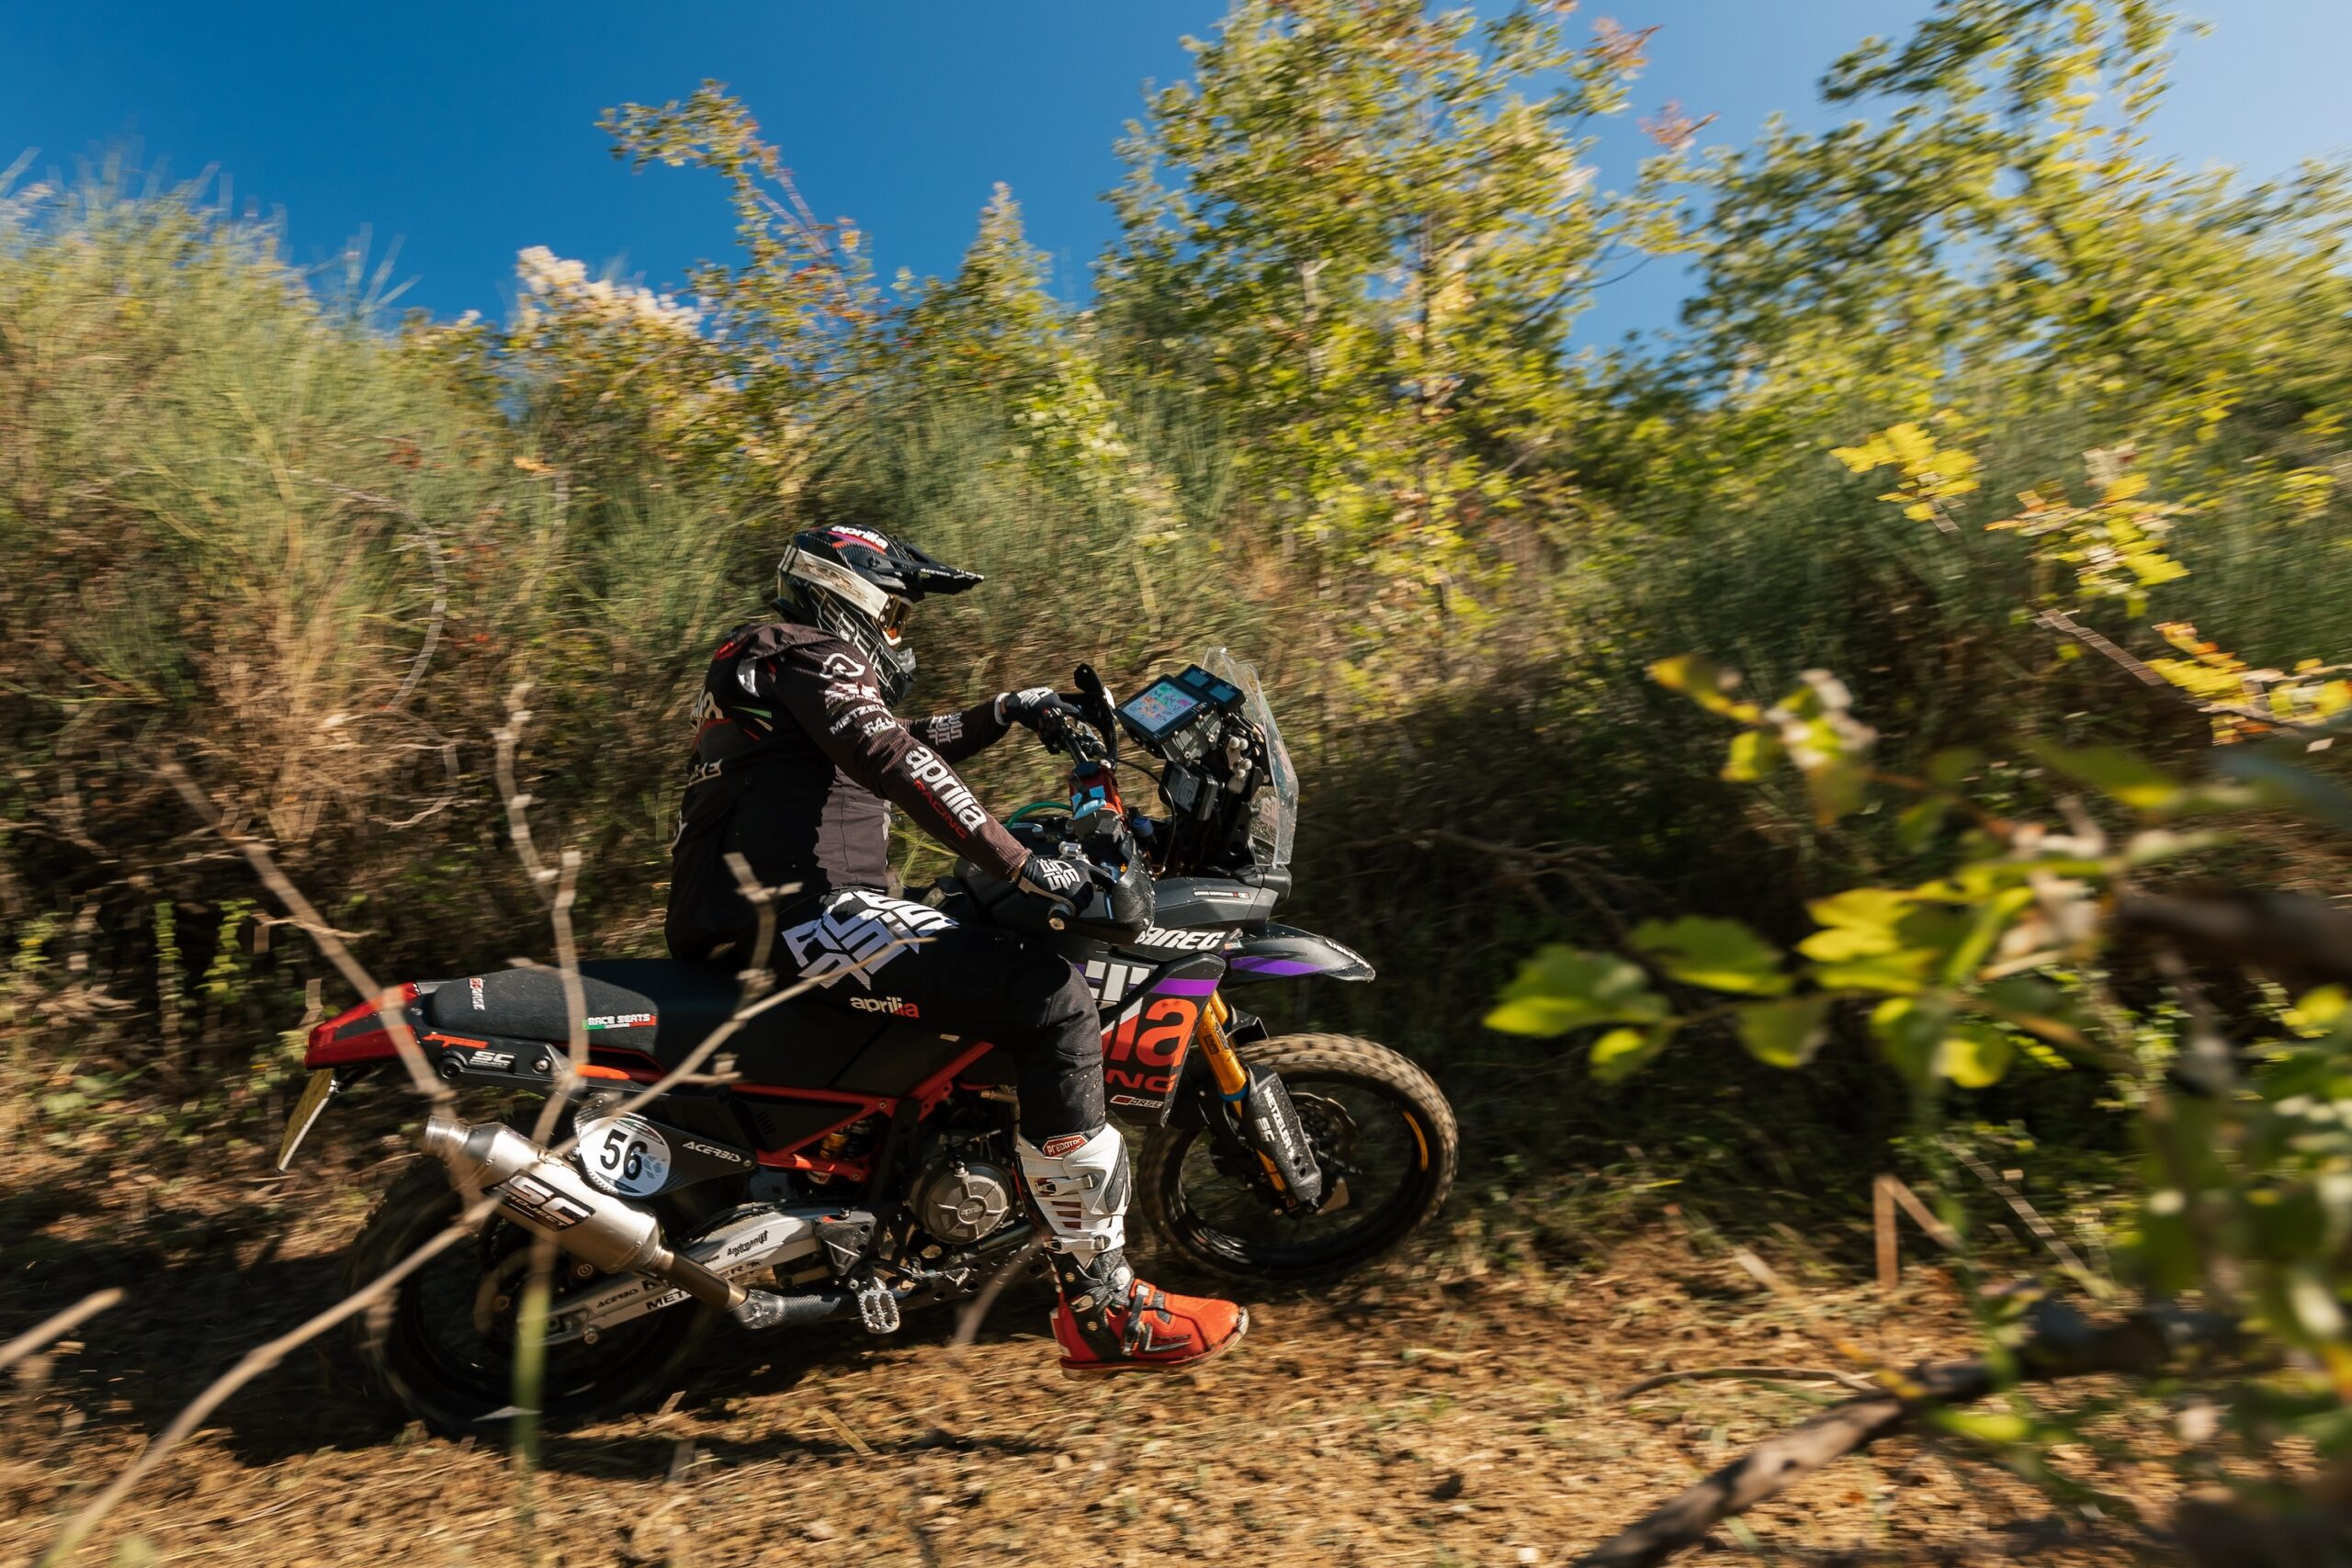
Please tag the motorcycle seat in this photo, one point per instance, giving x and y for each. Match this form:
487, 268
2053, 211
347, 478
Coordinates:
661, 1007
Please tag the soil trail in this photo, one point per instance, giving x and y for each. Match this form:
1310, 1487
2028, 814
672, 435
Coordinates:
1437, 1413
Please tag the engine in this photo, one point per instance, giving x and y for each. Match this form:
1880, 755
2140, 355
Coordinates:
963, 1191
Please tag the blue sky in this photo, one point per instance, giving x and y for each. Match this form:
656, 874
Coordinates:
467, 131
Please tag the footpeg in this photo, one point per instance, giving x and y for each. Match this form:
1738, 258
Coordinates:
877, 1307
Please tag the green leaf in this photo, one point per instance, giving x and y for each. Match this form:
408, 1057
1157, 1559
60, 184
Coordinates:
2037, 1006
1908, 1031
2157, 845
1753, 754
1857, 923
1705, 685
1836, 785
1722, 956
1863, 909
1974, 1053
2319, 1013
1559, 988
1995, 1428
1620, 1054
1949, 768
1983, 928
2119, 774
1924, 1041
1920, 821
1899, 973
1784, 1034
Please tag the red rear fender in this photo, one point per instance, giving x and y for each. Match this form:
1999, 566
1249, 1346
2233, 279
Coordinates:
358, 1035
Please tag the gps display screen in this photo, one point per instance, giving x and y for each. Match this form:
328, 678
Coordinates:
1160, 707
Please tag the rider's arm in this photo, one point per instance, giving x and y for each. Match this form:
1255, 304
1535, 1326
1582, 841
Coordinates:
955, 736
833, 695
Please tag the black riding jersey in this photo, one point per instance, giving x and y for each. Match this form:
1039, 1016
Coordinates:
796, 761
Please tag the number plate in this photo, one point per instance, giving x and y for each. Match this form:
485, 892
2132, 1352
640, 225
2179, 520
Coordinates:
625, 1154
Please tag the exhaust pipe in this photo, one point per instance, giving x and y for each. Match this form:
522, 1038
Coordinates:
548, 1198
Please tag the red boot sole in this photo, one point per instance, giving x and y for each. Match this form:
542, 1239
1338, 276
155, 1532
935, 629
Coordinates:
1079, 1371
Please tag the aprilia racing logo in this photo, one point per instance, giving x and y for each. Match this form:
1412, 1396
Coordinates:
939, 781
891, 1005
846, 534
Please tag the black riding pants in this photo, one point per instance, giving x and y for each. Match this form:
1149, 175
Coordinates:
874, 953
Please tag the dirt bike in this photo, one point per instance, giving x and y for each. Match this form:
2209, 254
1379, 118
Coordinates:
856, 1164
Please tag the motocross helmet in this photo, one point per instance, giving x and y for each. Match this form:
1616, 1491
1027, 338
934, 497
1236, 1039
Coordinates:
862, 585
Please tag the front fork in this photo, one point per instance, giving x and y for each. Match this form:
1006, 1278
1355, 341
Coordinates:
1254, 1111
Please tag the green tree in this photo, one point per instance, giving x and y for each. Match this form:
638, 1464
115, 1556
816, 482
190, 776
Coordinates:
1999, 234
1363, 229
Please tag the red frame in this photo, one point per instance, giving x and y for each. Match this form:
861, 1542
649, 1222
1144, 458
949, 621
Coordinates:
324, 1050
926, 1095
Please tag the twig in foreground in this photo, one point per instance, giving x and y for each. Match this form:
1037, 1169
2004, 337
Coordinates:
308, 917
1753, 1374
969, 1321
57, 1325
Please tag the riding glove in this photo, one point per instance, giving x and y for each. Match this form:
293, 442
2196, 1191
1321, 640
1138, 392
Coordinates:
1055, 879
1026, 707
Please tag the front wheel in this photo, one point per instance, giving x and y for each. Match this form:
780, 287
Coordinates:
1375, 1121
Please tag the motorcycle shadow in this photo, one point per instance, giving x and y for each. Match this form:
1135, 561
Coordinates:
198, 1295
743, 1380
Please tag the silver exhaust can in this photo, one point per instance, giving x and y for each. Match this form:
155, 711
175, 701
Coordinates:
548, 1198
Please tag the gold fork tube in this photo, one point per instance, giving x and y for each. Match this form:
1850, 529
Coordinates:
1225, 1064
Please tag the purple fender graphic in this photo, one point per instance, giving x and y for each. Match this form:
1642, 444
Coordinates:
1284, 952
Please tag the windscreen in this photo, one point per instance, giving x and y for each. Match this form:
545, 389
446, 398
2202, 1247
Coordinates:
1274, 812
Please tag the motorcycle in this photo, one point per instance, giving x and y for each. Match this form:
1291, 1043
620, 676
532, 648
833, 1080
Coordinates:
857, 1165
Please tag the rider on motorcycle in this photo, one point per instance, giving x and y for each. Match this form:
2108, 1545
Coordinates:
796, 761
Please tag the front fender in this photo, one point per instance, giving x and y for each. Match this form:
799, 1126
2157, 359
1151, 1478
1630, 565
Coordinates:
1286, 953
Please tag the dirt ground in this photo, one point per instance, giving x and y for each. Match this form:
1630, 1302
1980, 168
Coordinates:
1442, 1411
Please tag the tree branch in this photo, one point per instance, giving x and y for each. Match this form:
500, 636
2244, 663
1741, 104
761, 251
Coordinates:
1753, 1374
2061, 1344
58, 1325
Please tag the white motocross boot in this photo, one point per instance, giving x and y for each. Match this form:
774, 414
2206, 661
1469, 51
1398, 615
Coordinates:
1107, 1320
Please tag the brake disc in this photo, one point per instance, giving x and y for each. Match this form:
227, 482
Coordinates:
1331, 1132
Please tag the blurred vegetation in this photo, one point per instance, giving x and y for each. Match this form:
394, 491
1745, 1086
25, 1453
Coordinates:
1322, 406
2216, 1020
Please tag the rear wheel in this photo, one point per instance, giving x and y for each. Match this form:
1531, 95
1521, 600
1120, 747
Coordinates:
1375, 1121
442, 1346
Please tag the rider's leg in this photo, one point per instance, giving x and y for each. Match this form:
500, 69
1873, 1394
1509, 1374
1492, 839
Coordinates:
977, 980
1107, 1320
1076, 1167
